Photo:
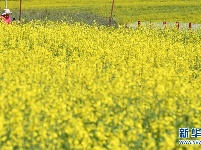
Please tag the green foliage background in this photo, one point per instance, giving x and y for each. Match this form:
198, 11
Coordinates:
125, 11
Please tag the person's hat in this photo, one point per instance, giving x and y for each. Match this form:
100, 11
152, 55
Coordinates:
6, 11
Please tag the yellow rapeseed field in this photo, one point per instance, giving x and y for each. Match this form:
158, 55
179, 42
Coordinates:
86, 87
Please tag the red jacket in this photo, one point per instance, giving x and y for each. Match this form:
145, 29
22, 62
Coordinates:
6, 19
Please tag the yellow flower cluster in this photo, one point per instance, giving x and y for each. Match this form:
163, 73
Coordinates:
92, 87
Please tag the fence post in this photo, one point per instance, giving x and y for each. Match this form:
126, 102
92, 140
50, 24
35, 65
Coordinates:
20, 10
138, 23
111, 17
177, 25
164, 24
190, 26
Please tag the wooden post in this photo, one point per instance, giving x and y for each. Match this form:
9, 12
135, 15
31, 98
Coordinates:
110, 20
138, 23
177, 25
20, 10
164, 24
190, 26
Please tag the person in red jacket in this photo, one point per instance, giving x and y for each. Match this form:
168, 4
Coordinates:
5, 16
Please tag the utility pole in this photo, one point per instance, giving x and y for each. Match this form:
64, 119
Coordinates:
111, 18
